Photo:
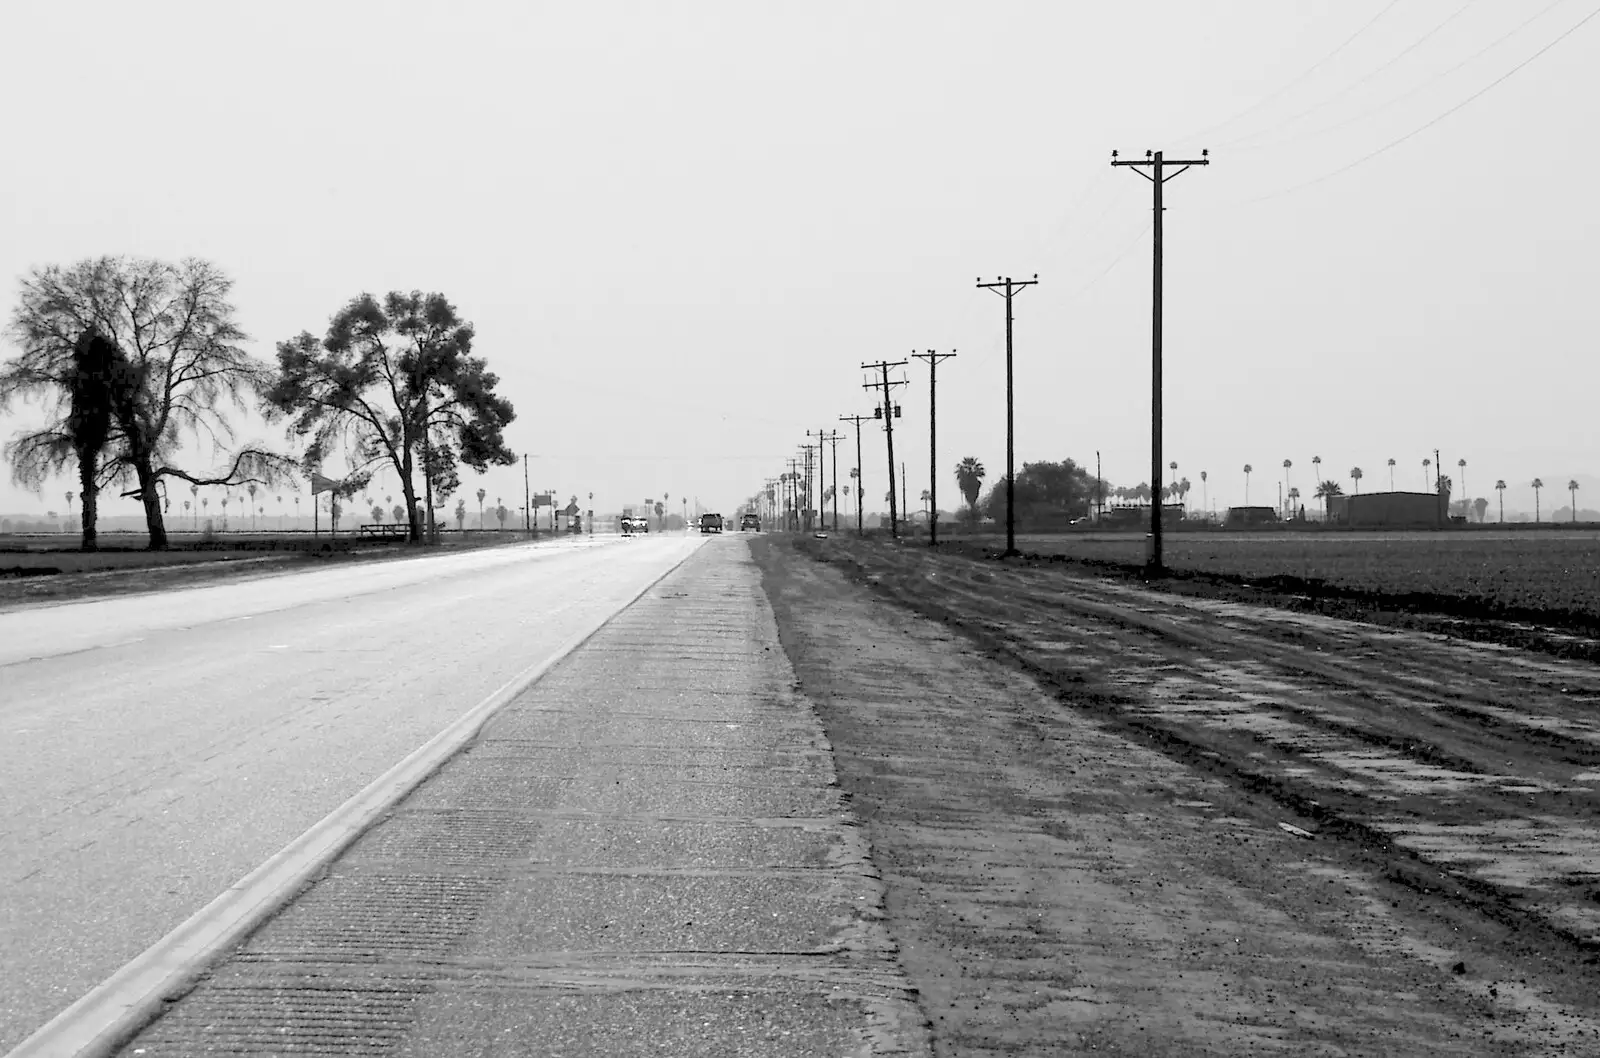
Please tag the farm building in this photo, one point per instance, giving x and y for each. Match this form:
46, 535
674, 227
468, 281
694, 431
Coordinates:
1241, 517
1390, 509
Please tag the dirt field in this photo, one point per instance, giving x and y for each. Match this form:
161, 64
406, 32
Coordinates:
1121, 821
1553, 574
32, 575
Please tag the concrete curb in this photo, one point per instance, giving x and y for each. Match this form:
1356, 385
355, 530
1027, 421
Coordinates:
113, 1011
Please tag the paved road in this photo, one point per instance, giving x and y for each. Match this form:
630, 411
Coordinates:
155, 749
644, 854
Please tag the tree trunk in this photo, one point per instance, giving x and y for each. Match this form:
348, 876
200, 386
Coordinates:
88, 493
151, 497
409, 491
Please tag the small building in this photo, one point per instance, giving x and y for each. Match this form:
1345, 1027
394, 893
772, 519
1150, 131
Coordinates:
1245, 517
1390, 510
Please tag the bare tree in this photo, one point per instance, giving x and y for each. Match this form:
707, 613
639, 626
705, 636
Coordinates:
177, 366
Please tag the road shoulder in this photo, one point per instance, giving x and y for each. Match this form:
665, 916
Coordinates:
647, 853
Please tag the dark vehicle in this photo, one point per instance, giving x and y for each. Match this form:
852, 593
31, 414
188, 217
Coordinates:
711, 523
750, 523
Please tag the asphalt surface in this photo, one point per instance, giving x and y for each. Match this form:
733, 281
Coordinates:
157, 748
645, 853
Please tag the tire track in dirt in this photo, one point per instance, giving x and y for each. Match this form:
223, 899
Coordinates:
1056, 886
1483, 779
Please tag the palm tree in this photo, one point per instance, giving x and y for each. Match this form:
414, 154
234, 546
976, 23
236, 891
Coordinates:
251, 489
1173, 466
1247, 484
1391, 475
1462, 465
70, 497
1426, 463
1537, 485
186, 505
969, 479
1572, 490
481, 494
280, 512
226, 497
1355, 476
1500, 486
461, 515
926, 496
1287, 463
1326, 492
1294, 502
205, 501
1316, 467
297, 511
1205, 504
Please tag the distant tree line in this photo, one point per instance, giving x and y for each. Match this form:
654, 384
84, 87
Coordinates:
133, 360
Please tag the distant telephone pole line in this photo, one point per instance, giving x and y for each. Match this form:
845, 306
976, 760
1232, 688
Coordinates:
806, 497
860, 473
831, 436
791, 497
886, 412
1157, 177
933, 359
1011, 290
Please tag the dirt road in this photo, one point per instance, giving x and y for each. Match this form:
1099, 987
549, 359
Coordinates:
1113, 820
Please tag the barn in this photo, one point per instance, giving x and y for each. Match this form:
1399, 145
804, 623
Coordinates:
1390, 510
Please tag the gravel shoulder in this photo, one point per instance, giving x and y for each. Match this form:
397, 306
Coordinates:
1071, 867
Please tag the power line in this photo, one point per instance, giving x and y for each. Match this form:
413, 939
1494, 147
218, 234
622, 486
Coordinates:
1271, 96
1430, 82
1352, 86
1427, 125
1121, 254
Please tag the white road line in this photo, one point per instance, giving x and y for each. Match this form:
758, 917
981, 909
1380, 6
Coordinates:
113, 1011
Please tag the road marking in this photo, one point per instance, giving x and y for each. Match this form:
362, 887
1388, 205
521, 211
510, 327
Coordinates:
111, 1013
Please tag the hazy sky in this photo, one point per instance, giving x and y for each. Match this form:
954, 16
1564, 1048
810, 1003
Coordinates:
681, 227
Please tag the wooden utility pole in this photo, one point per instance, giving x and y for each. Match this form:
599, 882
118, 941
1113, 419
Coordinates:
1011, 289
832, 437
887, 412
792, 497
857, 419
1157, 177
933, 359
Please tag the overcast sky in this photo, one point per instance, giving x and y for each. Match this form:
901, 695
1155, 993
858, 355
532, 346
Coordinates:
680, 228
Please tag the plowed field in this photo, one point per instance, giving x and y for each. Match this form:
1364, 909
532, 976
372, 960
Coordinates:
1464, 773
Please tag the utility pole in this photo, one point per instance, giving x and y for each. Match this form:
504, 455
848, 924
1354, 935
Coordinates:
1099, 484
831, 437
933, 359
793, 520
857, 419
1439, 501
527, 499
822, 485
887, 413
905, 491
1157, 177
806, 498
1011, 290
